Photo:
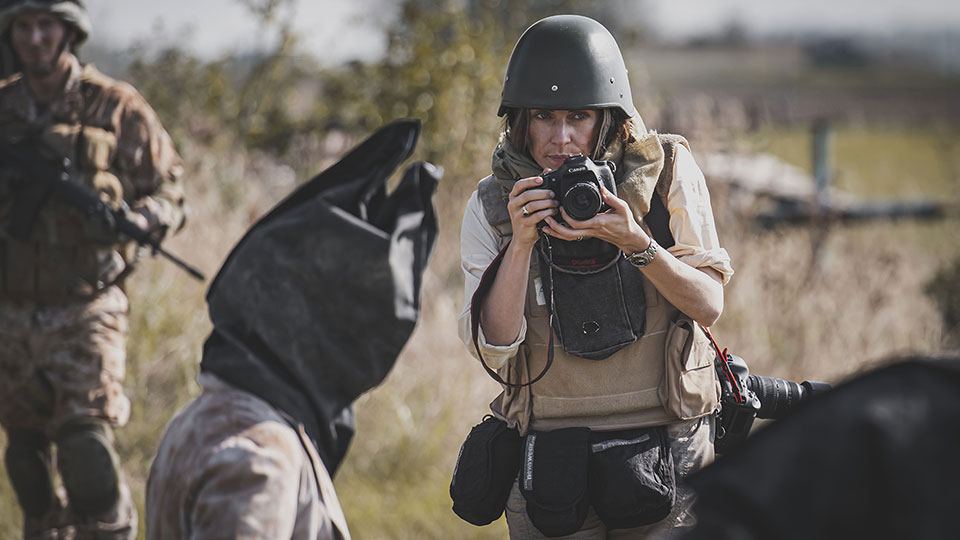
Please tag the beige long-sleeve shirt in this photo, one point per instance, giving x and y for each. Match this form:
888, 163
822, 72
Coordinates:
691, 223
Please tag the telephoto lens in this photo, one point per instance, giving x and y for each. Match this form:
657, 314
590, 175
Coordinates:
779, 396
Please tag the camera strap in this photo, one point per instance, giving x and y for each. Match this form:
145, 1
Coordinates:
723, 360
483, 288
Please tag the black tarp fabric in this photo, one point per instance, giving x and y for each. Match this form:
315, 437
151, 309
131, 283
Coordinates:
315, 302
873, 458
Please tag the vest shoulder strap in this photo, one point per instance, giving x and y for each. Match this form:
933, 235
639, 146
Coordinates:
493, 198
670, 142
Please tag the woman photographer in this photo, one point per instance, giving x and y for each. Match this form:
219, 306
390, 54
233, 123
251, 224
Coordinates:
629, 367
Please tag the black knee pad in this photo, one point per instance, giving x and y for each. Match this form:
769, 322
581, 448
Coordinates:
89, 466
30, 471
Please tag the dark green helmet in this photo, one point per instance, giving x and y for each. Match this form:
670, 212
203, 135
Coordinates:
71, 12
566, 62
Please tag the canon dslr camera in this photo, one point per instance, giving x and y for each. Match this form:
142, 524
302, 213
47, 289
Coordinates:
577, 185
745, 397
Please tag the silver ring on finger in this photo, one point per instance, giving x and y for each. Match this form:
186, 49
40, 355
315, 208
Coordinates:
526, 213
579, 238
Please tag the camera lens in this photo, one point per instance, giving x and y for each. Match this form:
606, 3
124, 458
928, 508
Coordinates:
582, 201
777, 396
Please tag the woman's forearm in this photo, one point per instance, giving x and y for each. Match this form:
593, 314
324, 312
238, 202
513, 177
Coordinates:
501, 315
698, 293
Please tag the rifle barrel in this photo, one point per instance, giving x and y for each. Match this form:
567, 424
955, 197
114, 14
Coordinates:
143, 237
181, 263
53, 177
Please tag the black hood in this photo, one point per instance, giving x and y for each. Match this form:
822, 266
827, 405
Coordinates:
313, 305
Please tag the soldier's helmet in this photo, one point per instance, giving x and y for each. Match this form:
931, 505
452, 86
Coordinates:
566, 62
71, 12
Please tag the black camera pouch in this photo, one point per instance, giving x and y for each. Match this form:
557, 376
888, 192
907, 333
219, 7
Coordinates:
486, 469
553, 479
595, 294
632, 480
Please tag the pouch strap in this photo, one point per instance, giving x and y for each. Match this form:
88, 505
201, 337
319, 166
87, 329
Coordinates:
545, 247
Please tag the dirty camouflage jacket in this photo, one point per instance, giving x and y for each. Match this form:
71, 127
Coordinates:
115, 145
230, 465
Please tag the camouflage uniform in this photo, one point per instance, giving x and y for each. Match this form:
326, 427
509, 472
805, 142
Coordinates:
63, 313
232, 466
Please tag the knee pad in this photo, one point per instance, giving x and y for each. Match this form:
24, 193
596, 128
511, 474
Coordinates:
89, 466
30, 470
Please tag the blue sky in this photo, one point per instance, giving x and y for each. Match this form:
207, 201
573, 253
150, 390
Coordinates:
331, 27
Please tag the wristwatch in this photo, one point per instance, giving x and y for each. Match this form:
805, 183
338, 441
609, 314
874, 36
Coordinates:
643, 258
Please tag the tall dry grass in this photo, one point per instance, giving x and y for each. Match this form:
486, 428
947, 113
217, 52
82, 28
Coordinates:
808, 303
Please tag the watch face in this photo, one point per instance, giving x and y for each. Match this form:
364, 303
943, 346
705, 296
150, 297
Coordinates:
643, 258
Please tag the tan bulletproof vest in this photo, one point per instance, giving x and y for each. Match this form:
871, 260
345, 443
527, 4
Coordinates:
664, 376
68, 255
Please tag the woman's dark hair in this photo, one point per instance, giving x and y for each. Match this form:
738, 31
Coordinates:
516, 125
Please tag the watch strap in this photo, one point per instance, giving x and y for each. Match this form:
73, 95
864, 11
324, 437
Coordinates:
645, 257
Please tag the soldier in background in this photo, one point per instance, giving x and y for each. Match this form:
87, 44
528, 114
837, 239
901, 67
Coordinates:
63, 311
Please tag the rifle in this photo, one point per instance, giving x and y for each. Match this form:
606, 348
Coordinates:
49, 178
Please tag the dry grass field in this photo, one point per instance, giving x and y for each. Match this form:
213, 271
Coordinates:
818, 303
805, 303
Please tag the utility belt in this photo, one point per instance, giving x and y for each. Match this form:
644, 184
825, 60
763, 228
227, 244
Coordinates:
626, 476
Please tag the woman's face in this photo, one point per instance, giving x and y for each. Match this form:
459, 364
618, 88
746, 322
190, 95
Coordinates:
555, 135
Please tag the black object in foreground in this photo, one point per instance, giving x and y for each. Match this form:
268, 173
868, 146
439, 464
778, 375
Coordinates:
873, 458
313, 305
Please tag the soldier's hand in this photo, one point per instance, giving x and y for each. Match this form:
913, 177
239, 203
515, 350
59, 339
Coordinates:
139, 220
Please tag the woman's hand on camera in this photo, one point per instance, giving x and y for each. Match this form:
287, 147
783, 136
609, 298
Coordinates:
529, 205
615, 226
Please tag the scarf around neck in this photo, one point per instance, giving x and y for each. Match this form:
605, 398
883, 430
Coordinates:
639, 161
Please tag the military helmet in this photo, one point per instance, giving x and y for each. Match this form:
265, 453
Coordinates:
71, 12
566, 62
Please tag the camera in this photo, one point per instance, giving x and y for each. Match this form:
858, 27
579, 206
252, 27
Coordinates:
577, 185
745, 397
778, 397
